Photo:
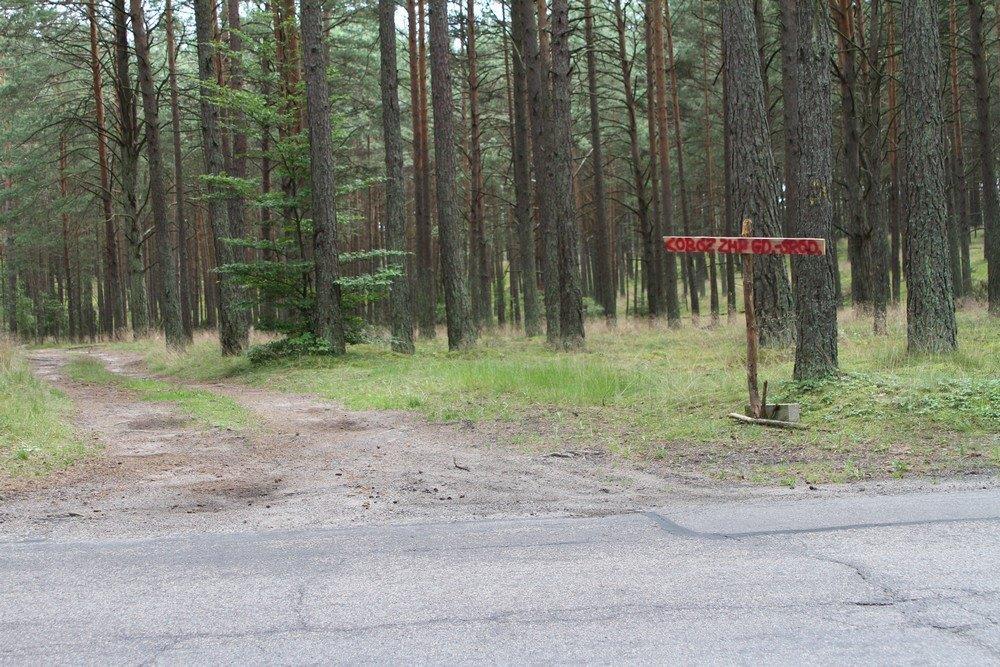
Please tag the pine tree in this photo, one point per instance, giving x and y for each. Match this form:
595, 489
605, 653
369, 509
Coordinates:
522, 175
400, 308
461, 328
991, 200
233, 333
328, 315
166, 265
930, 305
809, 41
605, 287
754, 188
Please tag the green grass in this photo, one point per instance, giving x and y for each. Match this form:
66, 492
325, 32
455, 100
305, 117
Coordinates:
200, 405
651, 392
35, 433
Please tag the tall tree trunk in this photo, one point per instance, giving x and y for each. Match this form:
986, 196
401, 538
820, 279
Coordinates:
991, 203
729, 210
421, 184
688, 259
288, 64
544, 46
930, 304
166, 268
663, 163
477, 223
960, 190
112, 315
605, 288
895, 209
128, 136
652, 251
645, 227
461, 328
790, 87
760, 28
710, 225
522, 175
268, 313
755, 189
68, 279
237, 157
857, 234
329, 319
876, 225
179, 218
538, 104
400, 311
9, 273
233, 334
427, 240
815, 293
560, 133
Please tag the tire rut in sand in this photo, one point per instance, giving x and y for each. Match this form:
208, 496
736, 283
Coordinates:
309, 463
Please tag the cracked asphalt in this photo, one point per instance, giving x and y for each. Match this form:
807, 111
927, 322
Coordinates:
900, 579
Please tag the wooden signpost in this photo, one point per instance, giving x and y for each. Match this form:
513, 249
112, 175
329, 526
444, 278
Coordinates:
748, 246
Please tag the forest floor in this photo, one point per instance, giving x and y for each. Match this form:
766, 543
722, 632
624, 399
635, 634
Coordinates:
169, 458
649, 393
131, 439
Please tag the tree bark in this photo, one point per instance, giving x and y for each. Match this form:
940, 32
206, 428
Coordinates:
790, 83
669, 260
128, 137
876, 225
991, 202
179, 218
112, 315
400, 311
930, 303
815, 293
635, 162
960, 187
755, 188
166, 267
329, 319
710, 208
560, 133
237, 156
421, 184
9, 273
522, 175
233, 334
605, 288
857, 234
69, 281
652, 252
895, 208
729, 211
461, 328
479, 257
688, 259
538, 104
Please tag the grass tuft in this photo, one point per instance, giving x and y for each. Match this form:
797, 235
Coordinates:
647, 391
35, 433
200, 405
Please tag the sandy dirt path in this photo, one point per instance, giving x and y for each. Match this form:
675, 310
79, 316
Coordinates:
307, 462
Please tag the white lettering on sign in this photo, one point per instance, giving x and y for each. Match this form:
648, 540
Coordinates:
740, 245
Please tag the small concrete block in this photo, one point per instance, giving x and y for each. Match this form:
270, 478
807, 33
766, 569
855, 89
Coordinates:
782, 412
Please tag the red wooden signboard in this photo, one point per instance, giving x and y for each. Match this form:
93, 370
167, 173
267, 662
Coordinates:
747, 246
740, 245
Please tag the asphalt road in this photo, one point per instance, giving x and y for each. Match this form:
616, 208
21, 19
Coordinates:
887, 579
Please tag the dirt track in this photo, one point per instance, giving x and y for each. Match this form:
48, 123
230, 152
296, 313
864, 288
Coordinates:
307, 463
